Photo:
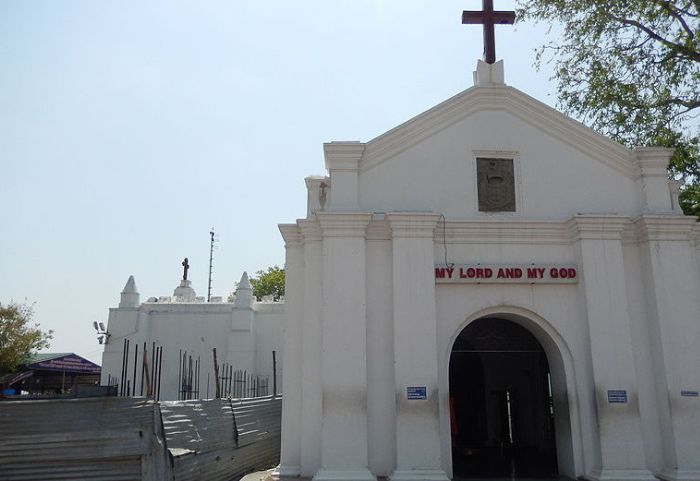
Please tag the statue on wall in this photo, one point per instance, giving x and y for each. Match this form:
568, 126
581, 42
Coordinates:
186, 267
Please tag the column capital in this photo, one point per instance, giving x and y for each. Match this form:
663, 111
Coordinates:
664, 228
344, 224
310, 230
653, 161
597, 227
343, 156
291, 235
412, 224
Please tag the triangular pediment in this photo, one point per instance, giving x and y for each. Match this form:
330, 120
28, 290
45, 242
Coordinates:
498, 98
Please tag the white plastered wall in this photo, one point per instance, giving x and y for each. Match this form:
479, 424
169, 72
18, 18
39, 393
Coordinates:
244, 338
438, 174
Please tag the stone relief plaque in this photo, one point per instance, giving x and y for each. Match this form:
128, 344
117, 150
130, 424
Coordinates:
496, 185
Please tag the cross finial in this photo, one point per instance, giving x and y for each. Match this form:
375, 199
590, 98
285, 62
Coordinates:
488, 17
186, 267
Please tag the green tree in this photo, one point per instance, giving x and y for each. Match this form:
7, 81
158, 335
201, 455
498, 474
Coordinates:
268, 283
19, 337
631, 70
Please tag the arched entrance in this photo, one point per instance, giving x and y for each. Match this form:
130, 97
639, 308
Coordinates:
501, 403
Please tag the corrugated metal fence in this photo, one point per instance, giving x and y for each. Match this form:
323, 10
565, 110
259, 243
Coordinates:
222, 439
102, 438
137, 439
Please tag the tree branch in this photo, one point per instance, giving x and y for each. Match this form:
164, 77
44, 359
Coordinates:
685, 10
688, 104
693, 54
673, 11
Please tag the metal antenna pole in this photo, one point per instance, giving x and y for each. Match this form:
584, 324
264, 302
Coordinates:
211, 262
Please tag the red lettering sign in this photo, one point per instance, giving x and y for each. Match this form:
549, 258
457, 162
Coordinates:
504, 274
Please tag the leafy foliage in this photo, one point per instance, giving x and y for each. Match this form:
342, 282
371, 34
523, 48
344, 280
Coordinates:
270, 282
19, 338
266, 283
631, 70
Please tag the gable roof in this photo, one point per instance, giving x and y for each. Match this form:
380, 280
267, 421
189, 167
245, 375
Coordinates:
46, 356
64, 361
495, 98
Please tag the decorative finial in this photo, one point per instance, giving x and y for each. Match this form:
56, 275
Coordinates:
488, 18
130, 295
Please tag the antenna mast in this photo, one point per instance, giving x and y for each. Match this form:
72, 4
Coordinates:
211, 262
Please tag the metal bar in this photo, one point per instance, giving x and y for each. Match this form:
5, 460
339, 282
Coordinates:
160, 369
216, 376
121, 379
179, 375
189, 378
136, 361
199, 369
274, 373
154, 358
149, 389
144, 351
126, 362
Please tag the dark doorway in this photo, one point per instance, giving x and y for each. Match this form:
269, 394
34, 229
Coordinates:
501, 409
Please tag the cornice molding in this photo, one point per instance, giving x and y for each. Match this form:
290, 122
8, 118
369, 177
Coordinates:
378, 230
484, 98
412, 224
498, 231
664, 228
310, 230
291, 235
344, 224
653, 161
343, 156
597, 227
630, 234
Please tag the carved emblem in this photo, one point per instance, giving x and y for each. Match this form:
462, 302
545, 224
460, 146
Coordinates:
496, 185
322, 194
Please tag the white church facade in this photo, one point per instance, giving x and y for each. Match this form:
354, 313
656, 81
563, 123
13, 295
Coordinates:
491, 289
180, 333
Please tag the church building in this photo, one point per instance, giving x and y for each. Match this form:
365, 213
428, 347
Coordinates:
491, 289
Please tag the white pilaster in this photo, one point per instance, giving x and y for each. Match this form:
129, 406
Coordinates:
381, 391
311, 414
671, 279
343, 164
652, 164
344, 356
290, 455
415, 347
599, 240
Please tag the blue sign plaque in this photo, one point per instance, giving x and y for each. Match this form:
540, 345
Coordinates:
690, 393
416, 393
617, 396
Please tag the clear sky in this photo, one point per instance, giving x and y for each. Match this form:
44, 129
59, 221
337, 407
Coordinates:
129, 128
